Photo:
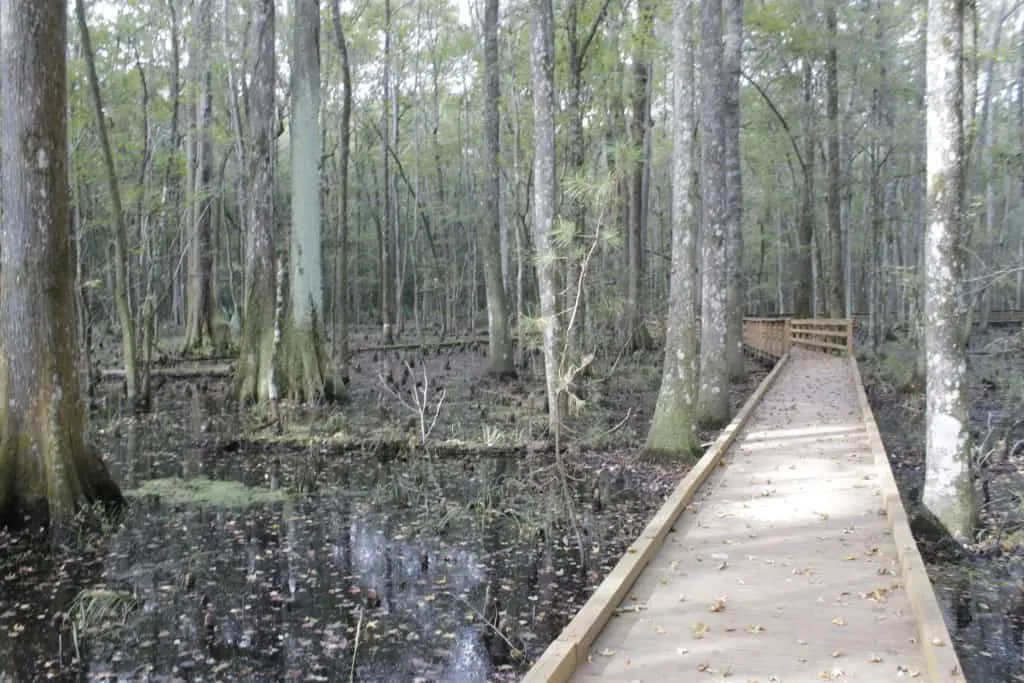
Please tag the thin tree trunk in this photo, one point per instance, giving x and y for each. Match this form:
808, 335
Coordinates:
804, 285
388, 247
341, 305
835, 218
736, 292
489, 232
542, 62
642, 66
120, 265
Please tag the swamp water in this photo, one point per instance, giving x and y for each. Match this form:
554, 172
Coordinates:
272, 564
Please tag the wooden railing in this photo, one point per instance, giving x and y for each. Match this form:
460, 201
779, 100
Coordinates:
774, 337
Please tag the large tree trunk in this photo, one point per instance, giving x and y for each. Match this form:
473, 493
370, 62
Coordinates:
200, 325
542, 60
713, 400
46, 468
736, 294
948, 487
120, 230
672, 428
255, 377
303, 362
489, 232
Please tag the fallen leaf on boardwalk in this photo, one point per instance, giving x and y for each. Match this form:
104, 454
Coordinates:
822, 515
938, 642
659, 630
756, 628
704, 666
878, 595
874, 659
606, 652
850, 557
836, 654
833, 675
718, 605
839, 621
699, 629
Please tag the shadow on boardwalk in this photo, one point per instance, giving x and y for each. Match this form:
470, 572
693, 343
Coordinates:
783, 567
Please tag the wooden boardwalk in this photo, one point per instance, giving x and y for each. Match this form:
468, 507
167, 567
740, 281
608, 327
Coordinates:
791, 561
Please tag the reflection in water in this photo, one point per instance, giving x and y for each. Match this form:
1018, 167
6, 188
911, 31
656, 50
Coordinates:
433, 568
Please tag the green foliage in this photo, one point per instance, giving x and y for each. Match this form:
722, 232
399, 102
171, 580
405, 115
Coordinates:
894, 366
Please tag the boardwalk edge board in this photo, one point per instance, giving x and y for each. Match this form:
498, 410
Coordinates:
940, 655
571, 648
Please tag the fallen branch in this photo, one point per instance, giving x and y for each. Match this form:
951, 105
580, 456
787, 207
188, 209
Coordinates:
215, 370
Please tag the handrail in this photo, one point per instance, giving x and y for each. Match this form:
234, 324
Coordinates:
774, 337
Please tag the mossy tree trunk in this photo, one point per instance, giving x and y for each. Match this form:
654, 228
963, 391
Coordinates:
672, 431
303, 361
46, 469
256, 349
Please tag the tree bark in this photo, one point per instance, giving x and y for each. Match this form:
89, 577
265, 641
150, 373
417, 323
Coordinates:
542, 65
489, 231
46, 469
948, 487
713, 399
200, 335
303, 371
255, 376
736, 293
672, 432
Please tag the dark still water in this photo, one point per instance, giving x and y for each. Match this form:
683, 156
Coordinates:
322, 567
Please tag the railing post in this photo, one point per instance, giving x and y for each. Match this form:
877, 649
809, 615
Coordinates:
849, 336
787, 341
